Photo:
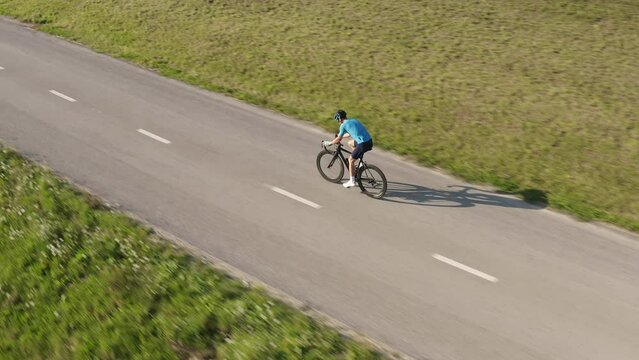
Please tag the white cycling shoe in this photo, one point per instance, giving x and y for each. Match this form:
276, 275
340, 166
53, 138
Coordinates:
348, 184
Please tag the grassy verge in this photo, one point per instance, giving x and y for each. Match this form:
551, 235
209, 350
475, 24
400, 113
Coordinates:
538, 98
78, 280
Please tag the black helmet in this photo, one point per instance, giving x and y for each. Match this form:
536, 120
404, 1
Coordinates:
339, 115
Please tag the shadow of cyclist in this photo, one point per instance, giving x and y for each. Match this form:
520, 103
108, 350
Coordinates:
458, 196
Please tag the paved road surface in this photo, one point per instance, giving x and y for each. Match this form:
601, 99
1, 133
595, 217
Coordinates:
440, 270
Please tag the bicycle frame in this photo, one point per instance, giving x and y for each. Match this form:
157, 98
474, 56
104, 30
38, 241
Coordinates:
339, 153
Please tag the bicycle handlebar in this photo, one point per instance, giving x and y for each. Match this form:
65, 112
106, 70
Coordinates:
340, 147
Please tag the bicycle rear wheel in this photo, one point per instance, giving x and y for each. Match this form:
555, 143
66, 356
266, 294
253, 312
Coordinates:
372, 181
330, 166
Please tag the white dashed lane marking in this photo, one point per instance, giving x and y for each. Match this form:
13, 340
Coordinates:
295, 197
62, 96
153, 136
461, 266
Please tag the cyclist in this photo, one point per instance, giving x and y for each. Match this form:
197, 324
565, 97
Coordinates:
361, 141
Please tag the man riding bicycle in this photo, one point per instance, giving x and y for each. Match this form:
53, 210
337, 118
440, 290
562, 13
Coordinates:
360, 143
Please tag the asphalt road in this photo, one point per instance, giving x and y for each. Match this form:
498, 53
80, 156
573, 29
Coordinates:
440, 269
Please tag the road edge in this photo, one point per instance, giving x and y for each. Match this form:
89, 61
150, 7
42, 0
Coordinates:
228, 269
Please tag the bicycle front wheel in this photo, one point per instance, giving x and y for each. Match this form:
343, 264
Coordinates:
330, 166
372, 181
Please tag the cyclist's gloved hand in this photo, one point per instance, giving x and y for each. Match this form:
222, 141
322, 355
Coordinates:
327, 143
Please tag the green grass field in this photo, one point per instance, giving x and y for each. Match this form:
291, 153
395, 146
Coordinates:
534, 97
79, 281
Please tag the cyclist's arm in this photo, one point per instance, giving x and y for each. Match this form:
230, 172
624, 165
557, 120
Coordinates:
337, 140
342, 134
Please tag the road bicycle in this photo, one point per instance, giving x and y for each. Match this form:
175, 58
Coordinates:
370, 179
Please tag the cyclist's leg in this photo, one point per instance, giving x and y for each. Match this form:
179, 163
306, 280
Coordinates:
351, 166
368, 146
351, 159
364, 148
357, 153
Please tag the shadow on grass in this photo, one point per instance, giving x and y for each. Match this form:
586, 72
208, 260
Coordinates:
460, 196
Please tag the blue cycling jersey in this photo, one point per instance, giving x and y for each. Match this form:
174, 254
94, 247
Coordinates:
356, 129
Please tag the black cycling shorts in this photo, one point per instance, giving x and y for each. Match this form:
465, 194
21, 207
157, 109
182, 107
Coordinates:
360, 149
